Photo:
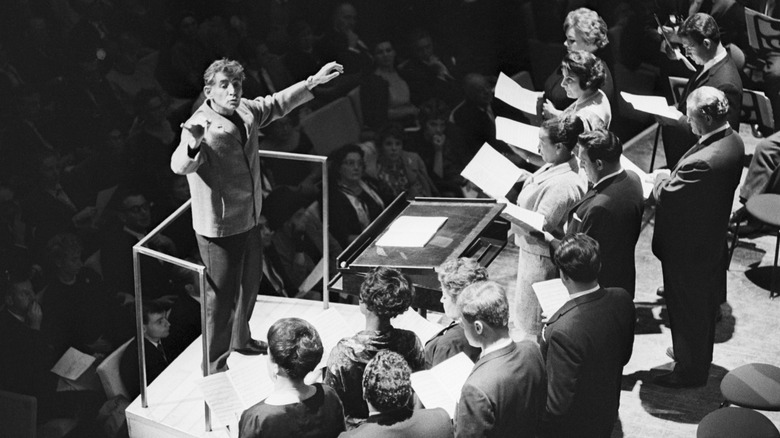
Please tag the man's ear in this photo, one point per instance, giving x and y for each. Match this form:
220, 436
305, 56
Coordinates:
207, 90
478, 327
707, 43
599, 164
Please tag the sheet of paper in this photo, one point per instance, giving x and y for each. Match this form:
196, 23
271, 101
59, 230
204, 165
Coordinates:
411, 320
519, 136
552, 295
652, 105
252, 381
332, 328
223, 399
72, 364
311, 280
527, 219
647, 183
512, 93
440, 386
411, 231
492, 172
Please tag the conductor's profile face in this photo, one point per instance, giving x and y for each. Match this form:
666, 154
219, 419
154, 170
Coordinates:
225, 93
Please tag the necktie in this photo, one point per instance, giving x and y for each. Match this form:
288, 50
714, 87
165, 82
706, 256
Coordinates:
162, 351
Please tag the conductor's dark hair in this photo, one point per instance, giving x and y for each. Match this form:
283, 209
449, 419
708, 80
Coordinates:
386, 292
698, 27
578, 257
295, 346
587, 67
231, 69
564, 130
601, 144
387, 383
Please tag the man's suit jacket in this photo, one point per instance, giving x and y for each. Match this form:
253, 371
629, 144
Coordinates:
724, 76
611, 213
504, 394
224, 175
585, 345
128, 366
450, 341
428, 423
25, 358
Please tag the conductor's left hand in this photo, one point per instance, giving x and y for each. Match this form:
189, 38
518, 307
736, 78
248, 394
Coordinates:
327, 72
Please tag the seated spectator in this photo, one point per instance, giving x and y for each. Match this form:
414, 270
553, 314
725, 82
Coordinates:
188, 59
76, 305
342, 44
384, 294
87, 98
354, 200
475, 118
284, 135
155, 329
583, 75
585, 345
454, 275
297, 237
301, 59
265, 72
429, 76
762, 177
294, 408
398, 170
504, 394
440, 145
384, 94
387, 388
132, 71
177, 192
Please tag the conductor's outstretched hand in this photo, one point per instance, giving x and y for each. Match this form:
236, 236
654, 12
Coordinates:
327, 72
196, 129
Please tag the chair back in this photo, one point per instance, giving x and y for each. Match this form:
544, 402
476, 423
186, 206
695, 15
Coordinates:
108, 372
18, 414
757, 110
354, 99
332, 126
763, 31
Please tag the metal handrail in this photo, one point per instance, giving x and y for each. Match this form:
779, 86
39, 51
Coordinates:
141, 248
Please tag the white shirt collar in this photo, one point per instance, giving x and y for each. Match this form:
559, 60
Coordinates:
719, 55
605, 177
585, 292
495, 347
711, 133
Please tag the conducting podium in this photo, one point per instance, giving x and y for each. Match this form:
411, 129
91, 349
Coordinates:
417, 236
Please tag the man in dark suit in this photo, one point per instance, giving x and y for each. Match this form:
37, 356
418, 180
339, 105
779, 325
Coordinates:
701, 39
387, 389
585, 345
504, 394
156, 328
611, 211
691, 218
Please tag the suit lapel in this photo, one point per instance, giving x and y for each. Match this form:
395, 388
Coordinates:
222, 123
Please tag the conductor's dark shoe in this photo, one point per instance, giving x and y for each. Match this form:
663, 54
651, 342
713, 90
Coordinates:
660, 291
253, 348
676, 380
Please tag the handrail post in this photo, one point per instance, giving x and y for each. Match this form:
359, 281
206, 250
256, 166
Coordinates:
325, 239
139, 329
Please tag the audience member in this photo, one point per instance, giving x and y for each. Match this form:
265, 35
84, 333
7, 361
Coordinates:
387, 389
384, 294
505, 392
584, 30
133, 70
551, 191
155, 329
341, 43
301, 58
611, 211
294, 408
354, 199
701, 40
265, 72
384, 94
585, 345
454, 275
397, 170
284, 135
583, 75
188, 58
428, 75
689, 239
474, 115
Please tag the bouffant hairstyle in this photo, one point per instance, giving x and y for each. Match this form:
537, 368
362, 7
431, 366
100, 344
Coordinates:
231, 69
457, 273
338, 156
578, 257
586, 67
601, 144
589, 25
485, 301
386, 381
295, 346
433, 109
698, 27
564, 130
386, 292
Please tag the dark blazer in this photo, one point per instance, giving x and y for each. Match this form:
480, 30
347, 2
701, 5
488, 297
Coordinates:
504, 394
611, 213
585, 345
25, 358
724, 76
450, 341
128, 366
424, 423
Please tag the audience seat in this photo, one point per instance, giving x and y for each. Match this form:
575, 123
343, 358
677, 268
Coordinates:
18, 417
757, 110
354, 99
766, 209
332, 126
108, 371
754, 386
736, 422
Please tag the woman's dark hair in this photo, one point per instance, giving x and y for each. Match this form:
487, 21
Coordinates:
386, 292
389, 130
564, 130
386, 381
338, 156
587, 67
433, 109
295, 346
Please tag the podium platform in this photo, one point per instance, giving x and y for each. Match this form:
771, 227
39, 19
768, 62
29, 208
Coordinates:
176, 405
